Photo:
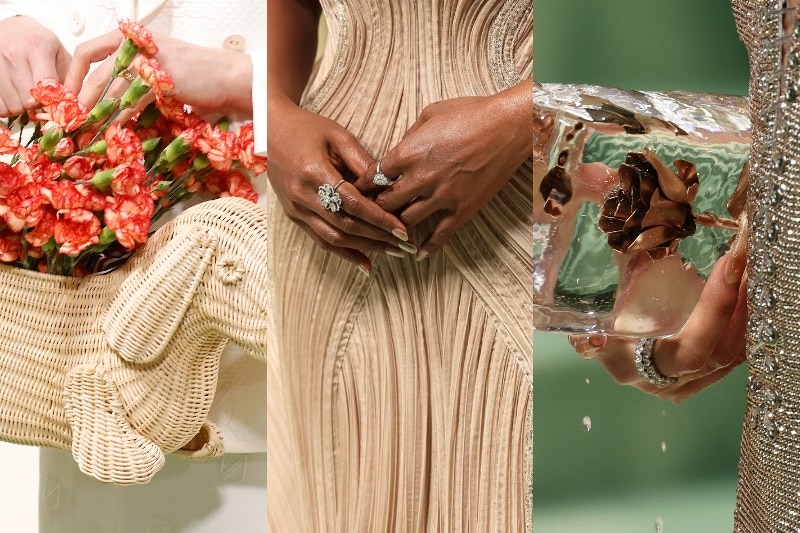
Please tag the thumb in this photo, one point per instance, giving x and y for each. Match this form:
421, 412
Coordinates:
89, 52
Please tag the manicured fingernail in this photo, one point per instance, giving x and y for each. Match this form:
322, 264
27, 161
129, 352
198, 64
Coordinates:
400, 234
422, 254
395, 253
410, 248
363, 270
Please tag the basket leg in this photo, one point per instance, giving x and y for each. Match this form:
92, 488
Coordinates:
104, 444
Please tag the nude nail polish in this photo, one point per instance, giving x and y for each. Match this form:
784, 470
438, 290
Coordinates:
410, 248
400, 234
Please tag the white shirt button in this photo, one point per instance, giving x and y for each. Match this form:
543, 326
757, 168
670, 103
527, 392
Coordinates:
76, 23
234, 42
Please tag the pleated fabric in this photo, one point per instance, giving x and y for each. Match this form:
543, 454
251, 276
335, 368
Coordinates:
402, 401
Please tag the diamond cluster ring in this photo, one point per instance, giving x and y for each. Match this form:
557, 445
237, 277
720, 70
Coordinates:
329, 198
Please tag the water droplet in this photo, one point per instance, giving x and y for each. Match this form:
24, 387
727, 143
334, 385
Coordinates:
587, 423
587, 381
664, 447
659, 525
663, 413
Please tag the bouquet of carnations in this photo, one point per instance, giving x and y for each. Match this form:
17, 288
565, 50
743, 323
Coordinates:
79, 190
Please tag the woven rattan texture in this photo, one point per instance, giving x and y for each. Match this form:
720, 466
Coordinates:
121, 368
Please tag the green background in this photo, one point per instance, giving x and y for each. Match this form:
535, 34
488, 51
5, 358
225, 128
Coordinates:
644, 460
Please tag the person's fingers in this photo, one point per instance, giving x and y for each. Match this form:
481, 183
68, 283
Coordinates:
616, 356
63, 59
587, 346
96, 81
349, 150
349, 254
10, 102
126, 114
442, 232
392, 166
685, 389
418, 210
694, 346
89, 52
358, 210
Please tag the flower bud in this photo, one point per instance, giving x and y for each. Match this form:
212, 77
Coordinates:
150, 144
224, 123
174, 151
102, 110
137, 89
148, 116
125, 56
98, 147
107, 236
50, 139
102, 180
200, 162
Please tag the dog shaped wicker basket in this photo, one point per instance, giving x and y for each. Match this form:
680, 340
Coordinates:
121, 368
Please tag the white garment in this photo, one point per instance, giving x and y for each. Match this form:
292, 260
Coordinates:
186, 496
203, 22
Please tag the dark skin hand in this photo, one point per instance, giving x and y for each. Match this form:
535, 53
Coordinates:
307, 150
454, 159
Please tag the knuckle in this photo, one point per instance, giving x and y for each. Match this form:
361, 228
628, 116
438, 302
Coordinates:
333, 238
348, 224
692, 361
309, 171
382, 201
354, 208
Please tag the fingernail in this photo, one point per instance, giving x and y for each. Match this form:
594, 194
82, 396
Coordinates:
363, 270
737, 260
400, 234
410, 248
395, 253
598, 341
422, 255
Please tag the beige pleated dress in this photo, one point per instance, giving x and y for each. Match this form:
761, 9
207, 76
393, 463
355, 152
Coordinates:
402, 401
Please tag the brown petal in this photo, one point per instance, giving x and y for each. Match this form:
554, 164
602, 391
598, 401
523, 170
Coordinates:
688, 173
654, 237
664, 212
556, 190
671, 185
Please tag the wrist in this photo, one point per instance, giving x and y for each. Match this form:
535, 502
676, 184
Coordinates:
239, 77
515, 105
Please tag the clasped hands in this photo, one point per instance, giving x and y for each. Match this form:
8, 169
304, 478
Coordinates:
456, 156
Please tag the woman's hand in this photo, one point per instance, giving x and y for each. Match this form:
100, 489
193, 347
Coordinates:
209, 79
454, 159
307, 151
709, 347
29, 52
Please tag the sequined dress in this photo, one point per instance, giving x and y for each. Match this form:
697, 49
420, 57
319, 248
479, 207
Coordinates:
402, 401
768, 498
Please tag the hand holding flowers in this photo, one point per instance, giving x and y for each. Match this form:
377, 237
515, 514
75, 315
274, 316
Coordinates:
80, 195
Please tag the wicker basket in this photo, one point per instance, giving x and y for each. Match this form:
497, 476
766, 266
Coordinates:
122, 368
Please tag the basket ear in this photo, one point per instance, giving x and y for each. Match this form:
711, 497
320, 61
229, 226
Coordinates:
152, 301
